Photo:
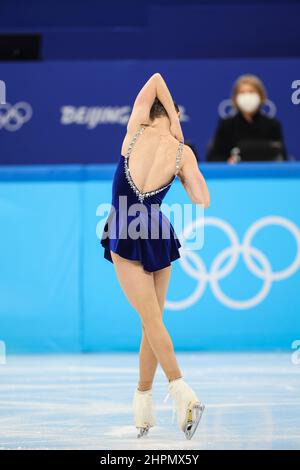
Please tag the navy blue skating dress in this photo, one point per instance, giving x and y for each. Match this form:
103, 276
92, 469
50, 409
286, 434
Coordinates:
136, 228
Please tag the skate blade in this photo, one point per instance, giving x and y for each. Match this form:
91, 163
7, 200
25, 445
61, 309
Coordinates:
194, 415
142, 432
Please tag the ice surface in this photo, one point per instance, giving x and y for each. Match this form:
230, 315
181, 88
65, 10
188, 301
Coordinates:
85, 402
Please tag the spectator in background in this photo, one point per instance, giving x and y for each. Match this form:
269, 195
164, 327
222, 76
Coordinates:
248, 126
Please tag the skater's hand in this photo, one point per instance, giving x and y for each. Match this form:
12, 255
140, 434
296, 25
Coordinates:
232, 160
176, 130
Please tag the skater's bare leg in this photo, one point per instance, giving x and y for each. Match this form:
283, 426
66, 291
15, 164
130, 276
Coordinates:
139, 288
148, 362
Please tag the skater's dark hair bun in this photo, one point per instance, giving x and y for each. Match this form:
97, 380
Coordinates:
158, 110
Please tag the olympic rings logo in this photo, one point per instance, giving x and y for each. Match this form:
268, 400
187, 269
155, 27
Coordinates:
199, 272
2, 92
12, 117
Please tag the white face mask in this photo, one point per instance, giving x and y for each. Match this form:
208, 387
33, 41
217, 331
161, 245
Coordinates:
248, 102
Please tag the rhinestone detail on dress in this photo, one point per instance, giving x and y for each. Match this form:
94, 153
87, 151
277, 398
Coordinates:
141, 196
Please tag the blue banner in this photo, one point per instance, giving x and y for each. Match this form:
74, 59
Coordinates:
76, 112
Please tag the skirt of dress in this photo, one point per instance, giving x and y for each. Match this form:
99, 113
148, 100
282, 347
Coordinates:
148, 238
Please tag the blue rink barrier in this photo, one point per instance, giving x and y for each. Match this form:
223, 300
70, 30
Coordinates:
239, 292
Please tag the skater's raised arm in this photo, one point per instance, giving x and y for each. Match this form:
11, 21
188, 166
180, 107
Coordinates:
192, 179
154, 87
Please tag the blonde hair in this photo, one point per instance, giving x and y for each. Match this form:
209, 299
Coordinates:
251, 80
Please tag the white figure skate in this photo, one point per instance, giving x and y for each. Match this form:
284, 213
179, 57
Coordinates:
187, 405
144, 417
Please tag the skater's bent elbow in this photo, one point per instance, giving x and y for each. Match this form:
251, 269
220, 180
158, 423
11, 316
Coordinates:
203, 201
199, 194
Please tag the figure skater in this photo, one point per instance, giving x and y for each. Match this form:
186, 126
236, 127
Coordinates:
152, 155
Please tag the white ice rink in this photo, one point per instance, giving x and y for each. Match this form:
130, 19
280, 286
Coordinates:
84, 402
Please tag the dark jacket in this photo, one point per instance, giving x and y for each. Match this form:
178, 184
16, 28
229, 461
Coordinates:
234, 129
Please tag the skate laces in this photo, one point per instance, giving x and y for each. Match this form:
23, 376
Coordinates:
177, 397
174, 407
174, 404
